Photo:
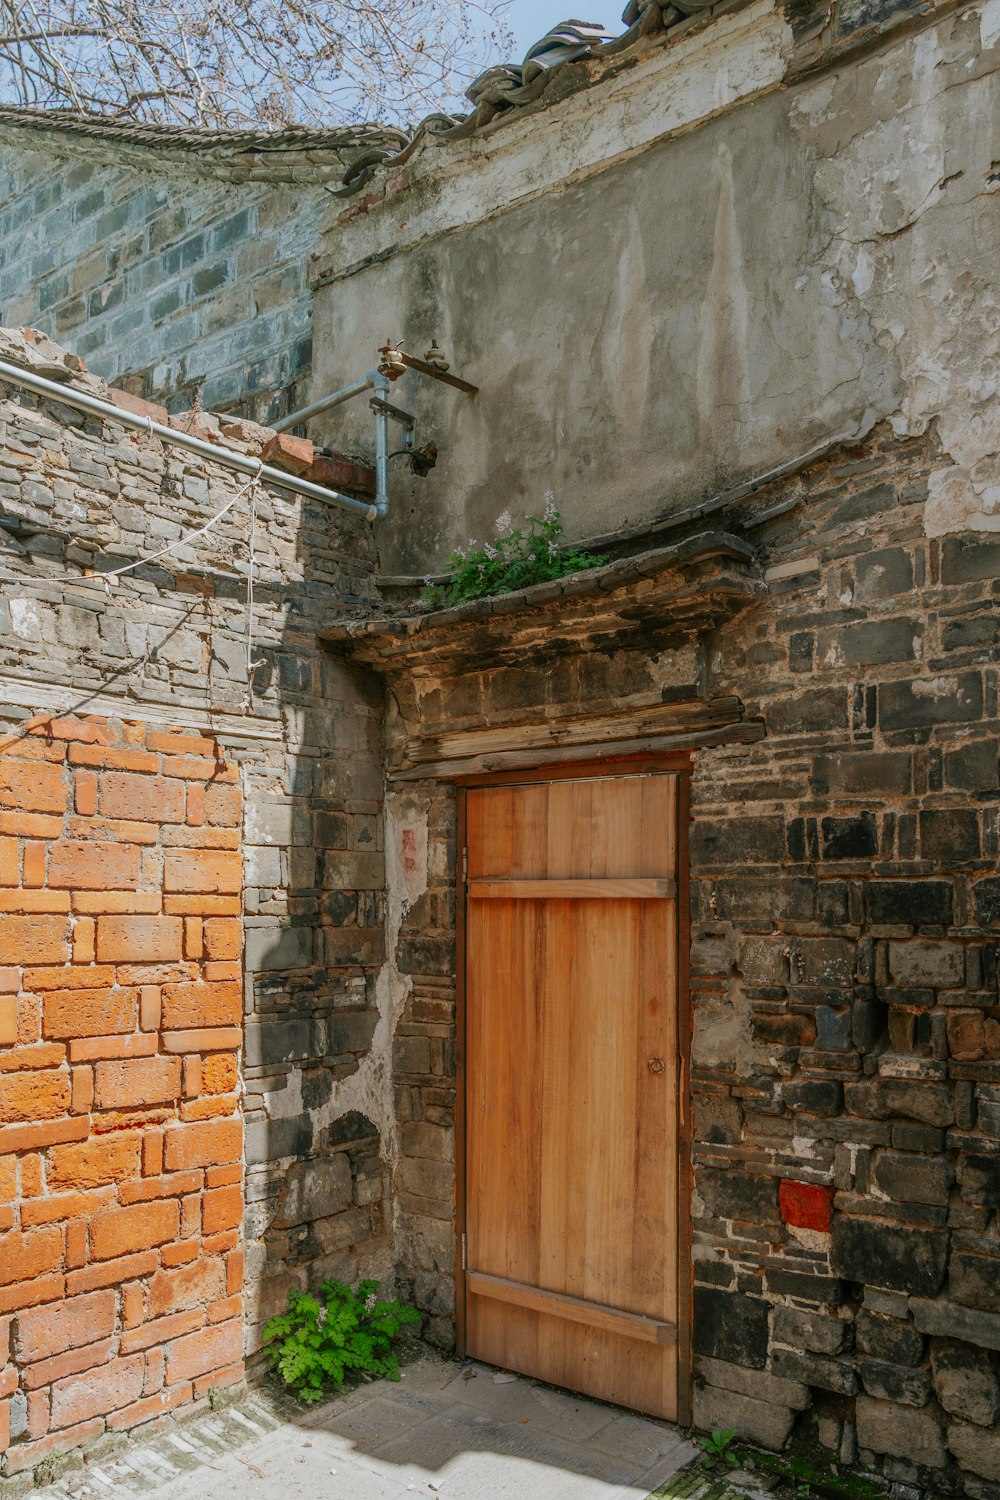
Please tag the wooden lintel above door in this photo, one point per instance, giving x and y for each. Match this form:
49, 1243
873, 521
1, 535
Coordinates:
694, 584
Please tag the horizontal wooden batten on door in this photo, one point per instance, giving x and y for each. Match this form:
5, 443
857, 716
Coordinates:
572, 890
574, 1309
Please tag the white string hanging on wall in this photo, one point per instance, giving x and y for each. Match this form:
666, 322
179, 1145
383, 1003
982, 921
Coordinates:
112, 575
251, 563
184, 541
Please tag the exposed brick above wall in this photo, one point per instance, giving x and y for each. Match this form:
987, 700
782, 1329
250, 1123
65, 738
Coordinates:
121, 1202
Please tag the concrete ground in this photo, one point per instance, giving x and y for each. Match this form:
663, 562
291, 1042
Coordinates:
445, 1432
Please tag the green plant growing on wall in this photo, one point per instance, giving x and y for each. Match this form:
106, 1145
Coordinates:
718, 1448
519, 557
321, 1342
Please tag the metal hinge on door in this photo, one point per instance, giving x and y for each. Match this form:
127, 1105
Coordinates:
465, 1253
465, 865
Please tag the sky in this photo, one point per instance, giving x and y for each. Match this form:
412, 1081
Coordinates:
529, 20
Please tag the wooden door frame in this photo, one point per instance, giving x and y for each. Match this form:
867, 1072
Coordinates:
668, 763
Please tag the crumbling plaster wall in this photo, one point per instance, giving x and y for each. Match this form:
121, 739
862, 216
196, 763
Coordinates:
906, 216
683, 275
164, 279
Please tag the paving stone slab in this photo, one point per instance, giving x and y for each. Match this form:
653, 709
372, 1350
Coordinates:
444, 1432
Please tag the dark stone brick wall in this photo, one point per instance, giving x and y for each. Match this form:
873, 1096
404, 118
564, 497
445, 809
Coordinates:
846, 1011
165, 281
318, 1187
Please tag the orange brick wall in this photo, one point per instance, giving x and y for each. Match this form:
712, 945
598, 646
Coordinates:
121, 1137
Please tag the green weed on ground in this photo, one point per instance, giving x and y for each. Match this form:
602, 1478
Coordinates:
322, 1342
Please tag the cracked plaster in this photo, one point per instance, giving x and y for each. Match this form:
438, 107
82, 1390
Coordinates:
368, 1090
806, 263
909, 203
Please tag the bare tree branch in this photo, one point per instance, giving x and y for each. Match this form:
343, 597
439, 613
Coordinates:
231, 64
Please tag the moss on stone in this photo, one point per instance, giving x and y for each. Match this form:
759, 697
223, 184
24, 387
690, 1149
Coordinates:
815, 1466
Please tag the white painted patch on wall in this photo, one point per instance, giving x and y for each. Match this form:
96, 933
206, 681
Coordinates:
935, 687
804, 1147
809, 1239
989, 25
25, 619
369, 1090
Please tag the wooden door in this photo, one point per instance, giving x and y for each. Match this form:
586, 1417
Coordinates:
571, 1085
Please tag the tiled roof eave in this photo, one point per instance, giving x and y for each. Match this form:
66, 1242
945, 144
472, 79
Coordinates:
292, 156
340, 159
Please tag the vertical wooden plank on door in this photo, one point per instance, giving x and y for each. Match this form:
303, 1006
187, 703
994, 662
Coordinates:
505, 1124
655, 1170
685, 1132
530, 833
461, 1072
559, 1245
571, 1088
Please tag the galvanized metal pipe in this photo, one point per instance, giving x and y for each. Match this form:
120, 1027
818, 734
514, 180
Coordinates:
240, 462
381, 388
335, 398
373, 381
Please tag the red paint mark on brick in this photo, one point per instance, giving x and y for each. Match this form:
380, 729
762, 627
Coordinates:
409, 851
806, 1205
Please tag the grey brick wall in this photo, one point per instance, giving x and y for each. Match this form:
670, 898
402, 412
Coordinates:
163, 281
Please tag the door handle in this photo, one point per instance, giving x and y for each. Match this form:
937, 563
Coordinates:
657, 1065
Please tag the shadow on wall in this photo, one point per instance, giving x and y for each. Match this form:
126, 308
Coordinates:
421, 840
316, 1068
